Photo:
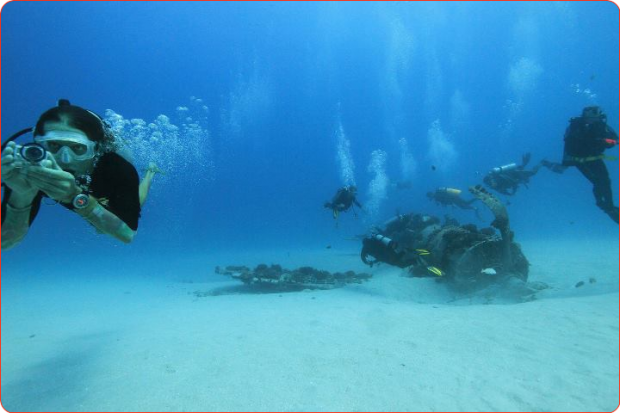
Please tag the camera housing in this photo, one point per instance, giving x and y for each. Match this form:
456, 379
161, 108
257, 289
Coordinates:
32, 152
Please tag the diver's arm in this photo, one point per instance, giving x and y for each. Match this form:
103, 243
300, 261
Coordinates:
105, 221
558, 168
16, 221
19, 196
611, 135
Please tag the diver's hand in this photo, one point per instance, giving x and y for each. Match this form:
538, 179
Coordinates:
51, 179
14, 172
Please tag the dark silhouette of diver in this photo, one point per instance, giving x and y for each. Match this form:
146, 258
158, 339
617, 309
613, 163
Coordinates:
344, 199
585, 141
450, 196
506, 179
383, 249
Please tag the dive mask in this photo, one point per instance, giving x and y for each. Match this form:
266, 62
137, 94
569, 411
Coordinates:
67, 146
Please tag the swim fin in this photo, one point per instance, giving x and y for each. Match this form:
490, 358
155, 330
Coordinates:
435, 271
525, 159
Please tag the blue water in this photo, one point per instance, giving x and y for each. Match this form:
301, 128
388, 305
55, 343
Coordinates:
299, 98
290, 73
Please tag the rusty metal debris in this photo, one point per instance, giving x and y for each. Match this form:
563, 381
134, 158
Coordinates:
298, 279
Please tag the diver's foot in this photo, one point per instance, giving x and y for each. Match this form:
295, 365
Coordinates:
613, 214
154, 168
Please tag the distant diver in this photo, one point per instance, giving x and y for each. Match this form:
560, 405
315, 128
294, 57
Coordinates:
506, 179
403, 185
344, 200
451, 196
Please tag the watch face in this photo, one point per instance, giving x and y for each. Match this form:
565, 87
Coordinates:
80, 201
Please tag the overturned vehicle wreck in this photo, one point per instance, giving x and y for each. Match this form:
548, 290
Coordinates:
463, 256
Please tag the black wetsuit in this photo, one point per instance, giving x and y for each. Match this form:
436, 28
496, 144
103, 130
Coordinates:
343, 200
584, 144
114, 182
382, 253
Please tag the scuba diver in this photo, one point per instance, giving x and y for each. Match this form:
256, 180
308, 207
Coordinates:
343, 200
382, 249
506, 179
397, 244
74, 161
451, 196
463, 256
585, 141
402, 185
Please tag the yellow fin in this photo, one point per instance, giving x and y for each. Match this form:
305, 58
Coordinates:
435, 270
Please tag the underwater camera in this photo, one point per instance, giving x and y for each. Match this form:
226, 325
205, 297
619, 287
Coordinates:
32, 152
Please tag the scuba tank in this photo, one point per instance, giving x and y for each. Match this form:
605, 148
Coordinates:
388, 242
505, 168
448, 191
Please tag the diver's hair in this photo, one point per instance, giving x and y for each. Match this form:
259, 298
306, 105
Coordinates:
82, 119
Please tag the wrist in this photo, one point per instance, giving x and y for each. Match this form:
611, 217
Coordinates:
19, 210
86, 211
21, 200
69, 199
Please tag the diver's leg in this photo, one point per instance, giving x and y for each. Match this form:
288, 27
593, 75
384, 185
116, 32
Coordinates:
613, 213
463, 204
354, 212
145, 185
596, 172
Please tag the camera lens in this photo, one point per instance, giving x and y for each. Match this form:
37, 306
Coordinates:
33, 152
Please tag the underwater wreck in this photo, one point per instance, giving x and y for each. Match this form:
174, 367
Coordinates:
278, 278
463, 256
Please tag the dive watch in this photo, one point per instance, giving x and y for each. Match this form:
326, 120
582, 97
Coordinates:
81, 201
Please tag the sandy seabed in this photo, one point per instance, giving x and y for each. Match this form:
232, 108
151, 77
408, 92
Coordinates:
150, 343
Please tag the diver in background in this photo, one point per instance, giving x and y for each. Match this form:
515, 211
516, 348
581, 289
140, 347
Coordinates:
585, 141
402, 185
451, 196
344, 199
506, 179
